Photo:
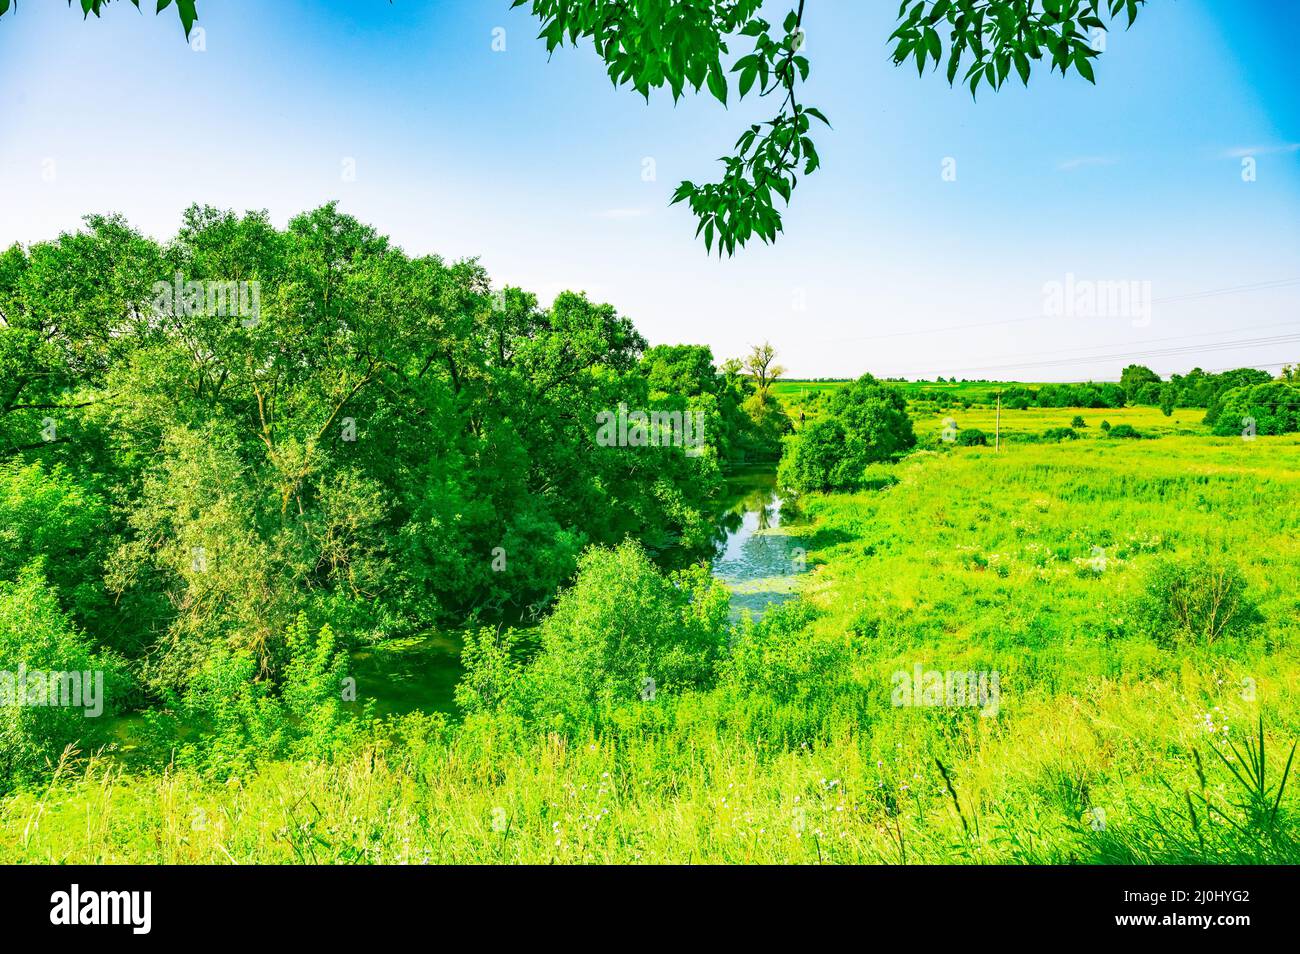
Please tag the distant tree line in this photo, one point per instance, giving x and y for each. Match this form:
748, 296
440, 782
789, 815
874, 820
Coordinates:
1236, 400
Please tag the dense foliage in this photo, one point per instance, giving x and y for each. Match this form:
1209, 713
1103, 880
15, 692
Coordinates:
866, 423
1148, 701
1271, 407
1196, 389
623, 632
37, 639
203, 439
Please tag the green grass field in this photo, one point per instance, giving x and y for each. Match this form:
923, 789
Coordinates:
1033, 421
958, 390
1105, 746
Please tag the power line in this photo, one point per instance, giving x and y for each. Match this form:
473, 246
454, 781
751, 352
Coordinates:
1256, 367
1191, 296
1204, 334
1165, 352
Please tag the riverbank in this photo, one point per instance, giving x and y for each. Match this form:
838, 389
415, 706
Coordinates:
1103, 746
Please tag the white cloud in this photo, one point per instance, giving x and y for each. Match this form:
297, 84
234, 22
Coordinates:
1241, 152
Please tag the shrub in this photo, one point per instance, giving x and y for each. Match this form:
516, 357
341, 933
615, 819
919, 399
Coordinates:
46, 513
1272, 408
622, 624
1060, 434
815, 458
1078, 421
1168, 399
1105, 425
780, 657
226, 718
972, 437
1127, 431
867, 423
1194, 600
231, 717
38, 644
767, 423
491, 670
311, 690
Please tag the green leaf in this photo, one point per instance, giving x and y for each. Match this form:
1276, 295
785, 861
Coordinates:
1083, 66
718, 83
932, 43
1022, 66
816, 113
188, 14
747, 80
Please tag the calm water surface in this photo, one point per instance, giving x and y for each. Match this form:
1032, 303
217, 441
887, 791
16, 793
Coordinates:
756, 560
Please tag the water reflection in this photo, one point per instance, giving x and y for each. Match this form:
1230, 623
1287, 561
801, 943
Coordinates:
752, 557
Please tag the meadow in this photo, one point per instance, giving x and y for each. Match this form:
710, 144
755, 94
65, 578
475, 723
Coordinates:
793, 391
1108, 745
1032, 422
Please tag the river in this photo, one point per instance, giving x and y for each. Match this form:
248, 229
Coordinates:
756, 560
753, 558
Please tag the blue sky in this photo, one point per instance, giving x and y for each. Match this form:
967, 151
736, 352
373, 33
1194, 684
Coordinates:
536, 167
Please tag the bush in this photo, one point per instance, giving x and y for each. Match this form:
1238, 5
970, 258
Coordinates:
46, 513
1272, 408
1127, 431
491, 670
39, 646
1105, 425
781, 658
972, 437
1078, 421
867, 423
623, 632
1060, 434
231, 719
767, 423
815, 458
1194, 600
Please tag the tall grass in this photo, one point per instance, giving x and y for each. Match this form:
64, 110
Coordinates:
1108, 745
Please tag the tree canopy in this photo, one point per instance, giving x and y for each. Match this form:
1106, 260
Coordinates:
866, 423
202, 439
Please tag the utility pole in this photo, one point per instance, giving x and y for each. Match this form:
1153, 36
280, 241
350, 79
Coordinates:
997, 429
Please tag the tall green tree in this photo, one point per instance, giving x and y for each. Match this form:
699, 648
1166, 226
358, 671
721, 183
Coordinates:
866, 423
383, 442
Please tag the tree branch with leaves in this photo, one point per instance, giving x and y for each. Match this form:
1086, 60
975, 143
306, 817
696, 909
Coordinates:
685, 45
